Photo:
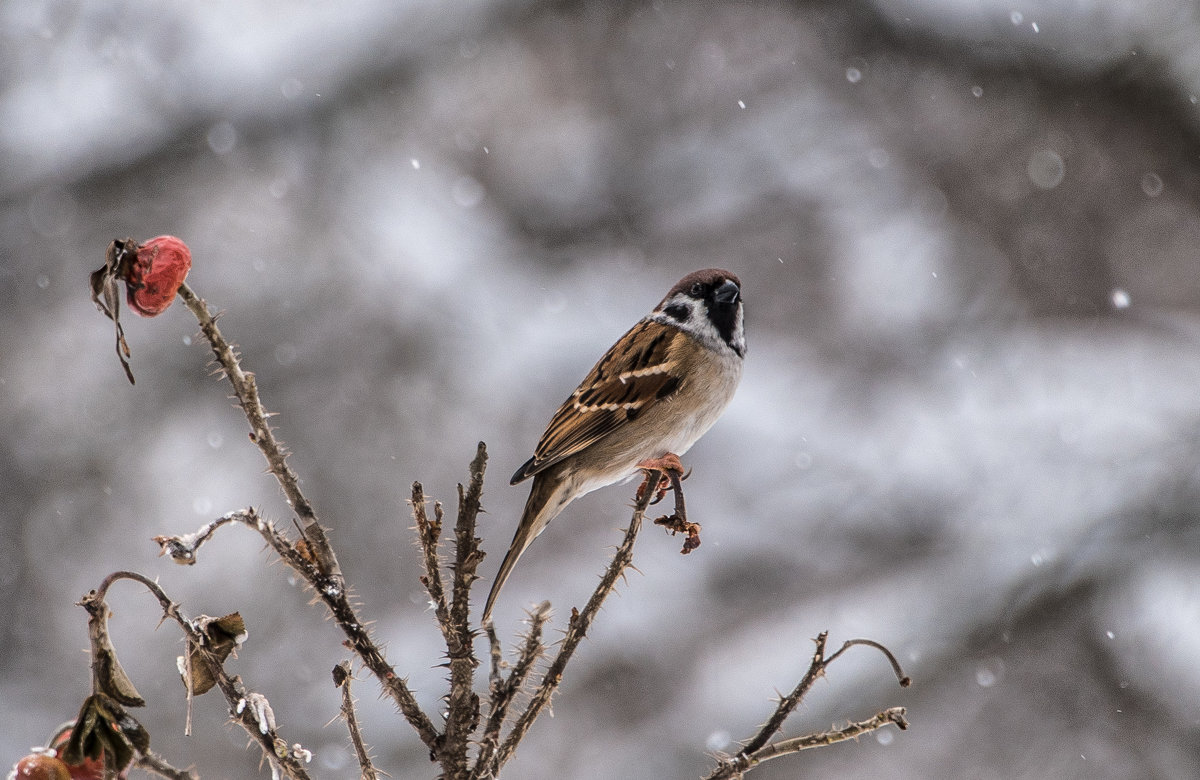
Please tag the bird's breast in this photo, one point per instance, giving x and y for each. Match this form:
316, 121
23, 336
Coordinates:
673, 424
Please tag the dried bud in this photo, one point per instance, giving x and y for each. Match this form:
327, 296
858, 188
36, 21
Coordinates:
88, 768
154, 276
103, 733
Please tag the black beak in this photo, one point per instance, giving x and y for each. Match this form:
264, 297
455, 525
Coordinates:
727, 293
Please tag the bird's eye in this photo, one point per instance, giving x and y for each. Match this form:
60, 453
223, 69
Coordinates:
697, 289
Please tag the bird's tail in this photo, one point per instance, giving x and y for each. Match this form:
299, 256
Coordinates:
542, 507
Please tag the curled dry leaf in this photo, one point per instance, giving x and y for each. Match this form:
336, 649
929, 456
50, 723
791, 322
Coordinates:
182, 549
107, 675
678, 525
108, 299
222, 636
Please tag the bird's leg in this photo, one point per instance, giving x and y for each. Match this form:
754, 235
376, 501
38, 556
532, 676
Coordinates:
672, 476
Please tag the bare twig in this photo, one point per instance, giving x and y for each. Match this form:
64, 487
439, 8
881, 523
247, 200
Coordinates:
495, 676
185, 548
756, 749
341, 678
677, 521
901, 677
788, 703
182, 549
429, 535
153, 763
504, 689
738, 766
454, 622
255, 719
577, 628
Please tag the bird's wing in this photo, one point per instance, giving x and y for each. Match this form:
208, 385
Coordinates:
640, 370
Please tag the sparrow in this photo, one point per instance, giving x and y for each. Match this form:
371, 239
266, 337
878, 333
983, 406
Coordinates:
653, 394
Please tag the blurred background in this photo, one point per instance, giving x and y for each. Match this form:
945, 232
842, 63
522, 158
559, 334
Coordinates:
968, 426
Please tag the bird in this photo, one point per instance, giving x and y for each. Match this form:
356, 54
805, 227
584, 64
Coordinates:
651, 397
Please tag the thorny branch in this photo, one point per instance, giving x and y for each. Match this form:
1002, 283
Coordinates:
250, 710
815, 670
504, 689
462, 716
493, 751
756, 749
245, 388
677, 522
577, 628
341, 678
892, 715
429, 534
183, 549
314, 559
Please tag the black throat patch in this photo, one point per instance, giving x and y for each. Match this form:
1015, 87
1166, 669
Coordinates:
724, 318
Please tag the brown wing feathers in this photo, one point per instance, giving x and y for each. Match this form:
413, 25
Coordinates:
632, 376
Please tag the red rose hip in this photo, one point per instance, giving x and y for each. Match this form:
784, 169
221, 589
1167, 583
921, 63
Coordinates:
155, 274
40, 766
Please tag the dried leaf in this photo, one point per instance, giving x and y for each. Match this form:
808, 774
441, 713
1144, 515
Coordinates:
222, 636
110, 679
104, 280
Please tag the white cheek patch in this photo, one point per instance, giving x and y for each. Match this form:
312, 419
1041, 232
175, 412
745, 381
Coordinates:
680, 309
738, 340
697, 324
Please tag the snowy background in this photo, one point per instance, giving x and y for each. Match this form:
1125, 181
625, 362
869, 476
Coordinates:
967, 233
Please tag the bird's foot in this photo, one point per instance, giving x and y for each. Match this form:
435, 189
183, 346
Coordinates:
670, 472
671, 475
